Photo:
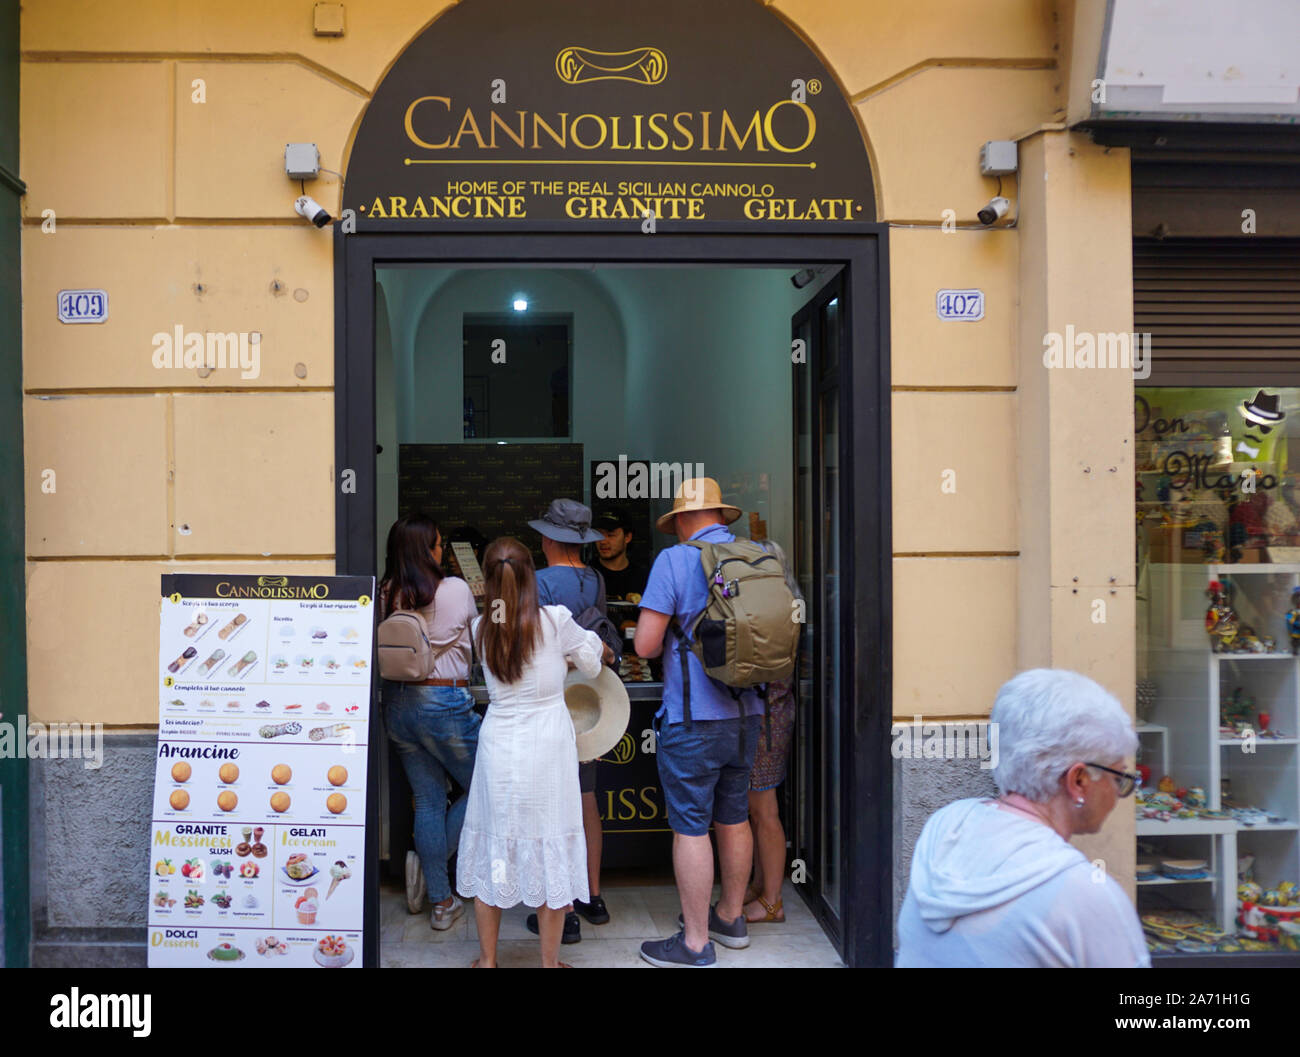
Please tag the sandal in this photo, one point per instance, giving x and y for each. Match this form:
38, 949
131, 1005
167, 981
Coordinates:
775, 911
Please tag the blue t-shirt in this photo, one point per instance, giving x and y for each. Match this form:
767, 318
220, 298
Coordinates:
563, 585
677, 587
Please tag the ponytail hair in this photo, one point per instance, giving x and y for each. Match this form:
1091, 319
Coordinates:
511, 626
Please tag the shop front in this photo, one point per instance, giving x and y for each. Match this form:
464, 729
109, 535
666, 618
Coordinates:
1215, 176
567, 248
549, 293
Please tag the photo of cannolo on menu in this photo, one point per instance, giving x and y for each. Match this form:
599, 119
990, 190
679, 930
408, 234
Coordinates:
238, 622
245, 662
189, 654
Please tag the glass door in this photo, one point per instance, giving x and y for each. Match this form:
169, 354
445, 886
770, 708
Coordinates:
818, 835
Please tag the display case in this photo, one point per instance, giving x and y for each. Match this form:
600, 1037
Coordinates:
1221, 744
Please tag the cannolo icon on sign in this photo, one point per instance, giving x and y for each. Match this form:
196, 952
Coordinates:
576, 65
189, 654
238, 621
237, 669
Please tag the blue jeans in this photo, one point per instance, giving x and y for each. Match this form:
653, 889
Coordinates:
435, 729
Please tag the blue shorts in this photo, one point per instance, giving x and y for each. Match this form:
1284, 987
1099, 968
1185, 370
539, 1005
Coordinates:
704, 773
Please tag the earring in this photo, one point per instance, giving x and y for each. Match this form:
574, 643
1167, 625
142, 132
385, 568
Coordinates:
1078, 803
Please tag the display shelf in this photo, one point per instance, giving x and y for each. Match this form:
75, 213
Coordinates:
1257, 568
1176, 881
1192, 684
1232, 743
1155, 730
1178, 827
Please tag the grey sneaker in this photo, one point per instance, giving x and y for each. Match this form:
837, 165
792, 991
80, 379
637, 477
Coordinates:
734, 935
443, 917
415, 890
673, 953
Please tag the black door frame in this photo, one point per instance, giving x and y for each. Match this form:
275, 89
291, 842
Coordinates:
810, 731
866, 589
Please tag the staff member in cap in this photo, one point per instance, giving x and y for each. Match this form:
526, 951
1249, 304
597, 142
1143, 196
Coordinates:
704, 765
568, 581
622, 576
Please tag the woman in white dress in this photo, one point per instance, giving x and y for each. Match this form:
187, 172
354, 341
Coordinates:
522, 840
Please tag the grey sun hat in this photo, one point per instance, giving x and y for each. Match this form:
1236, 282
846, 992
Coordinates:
567, 521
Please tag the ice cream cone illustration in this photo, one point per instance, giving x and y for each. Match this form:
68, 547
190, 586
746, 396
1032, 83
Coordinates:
340, 872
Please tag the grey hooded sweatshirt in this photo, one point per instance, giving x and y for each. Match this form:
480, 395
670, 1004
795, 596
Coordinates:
991, 888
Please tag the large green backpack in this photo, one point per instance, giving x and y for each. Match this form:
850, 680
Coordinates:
748, 634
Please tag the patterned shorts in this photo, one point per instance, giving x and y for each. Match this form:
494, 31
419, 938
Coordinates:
770, 764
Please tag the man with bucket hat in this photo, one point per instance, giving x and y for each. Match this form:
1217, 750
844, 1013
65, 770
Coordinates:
705, 757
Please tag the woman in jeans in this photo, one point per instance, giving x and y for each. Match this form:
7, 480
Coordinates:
432, 723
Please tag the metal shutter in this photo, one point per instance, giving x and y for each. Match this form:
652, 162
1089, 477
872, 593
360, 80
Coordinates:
1219, 311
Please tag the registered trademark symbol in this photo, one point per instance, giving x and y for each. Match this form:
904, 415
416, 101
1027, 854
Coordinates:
814, 86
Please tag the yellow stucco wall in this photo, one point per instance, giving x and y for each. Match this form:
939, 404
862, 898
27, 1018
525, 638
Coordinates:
189, 199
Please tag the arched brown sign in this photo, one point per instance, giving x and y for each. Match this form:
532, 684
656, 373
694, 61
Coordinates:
580, 110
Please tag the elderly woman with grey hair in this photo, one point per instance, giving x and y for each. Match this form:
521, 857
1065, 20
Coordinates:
996, 882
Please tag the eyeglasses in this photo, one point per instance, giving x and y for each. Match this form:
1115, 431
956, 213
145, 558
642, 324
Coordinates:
1126, 782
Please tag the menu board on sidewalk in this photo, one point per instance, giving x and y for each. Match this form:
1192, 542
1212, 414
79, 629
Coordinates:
258, 849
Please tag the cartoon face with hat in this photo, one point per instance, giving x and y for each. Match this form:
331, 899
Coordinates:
1263, 416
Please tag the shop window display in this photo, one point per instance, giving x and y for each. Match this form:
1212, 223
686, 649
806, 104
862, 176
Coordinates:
1218, 623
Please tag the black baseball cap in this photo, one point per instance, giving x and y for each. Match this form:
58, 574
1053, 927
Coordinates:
612, 519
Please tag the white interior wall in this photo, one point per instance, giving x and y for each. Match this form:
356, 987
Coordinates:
669, 364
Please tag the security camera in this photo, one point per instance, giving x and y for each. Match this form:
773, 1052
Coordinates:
994, 211
306, 206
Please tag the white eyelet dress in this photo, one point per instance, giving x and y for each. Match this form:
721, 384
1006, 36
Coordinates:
522, 841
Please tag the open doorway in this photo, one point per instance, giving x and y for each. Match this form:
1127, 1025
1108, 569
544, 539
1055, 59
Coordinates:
695, 366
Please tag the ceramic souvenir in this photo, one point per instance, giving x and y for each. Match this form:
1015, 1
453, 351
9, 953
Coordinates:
1146, 700
1221, 618
1247, 641
1293, 621
1234, 712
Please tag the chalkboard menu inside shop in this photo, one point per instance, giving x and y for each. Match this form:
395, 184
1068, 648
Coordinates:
495, 489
